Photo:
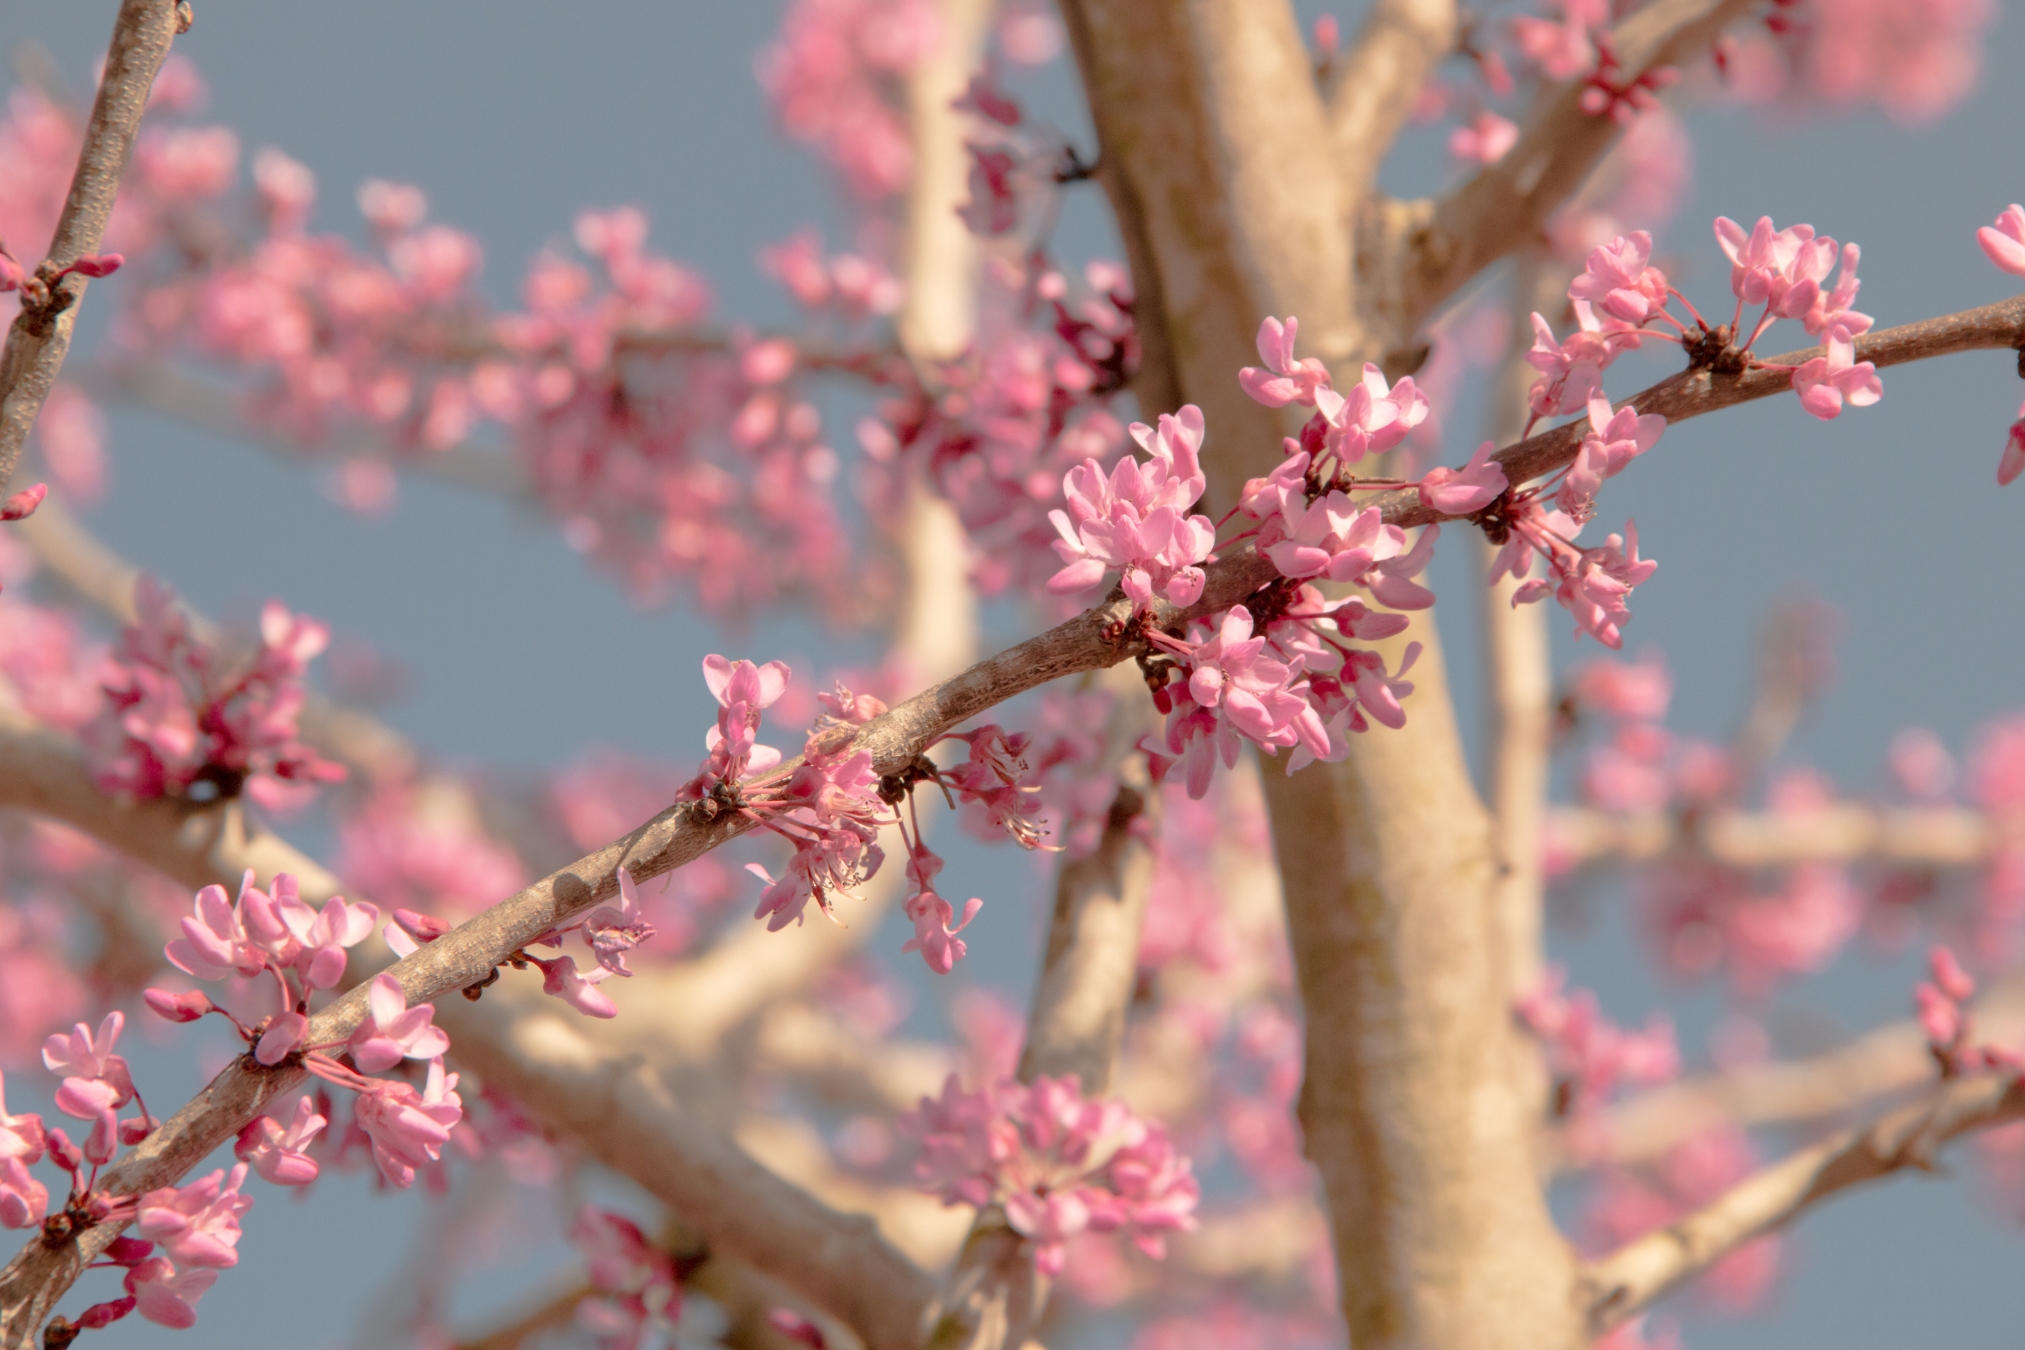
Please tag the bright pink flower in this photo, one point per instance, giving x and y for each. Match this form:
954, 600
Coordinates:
1283, 380
166, 1296
1614, 440
742, 691
97, 1079
1621, 281
1572, 370
2012, 462
1331, 537
1059, 1164
197, 1224
561, 979
1831, 309
1457, 492
23, 1200
393, 1031
614, 931
934, 936
284, 1035
1767, 265
1134, 520
409, 1128
280, 1155
2005, 243
1371, 418
1826, 382
215, 942
1249, 690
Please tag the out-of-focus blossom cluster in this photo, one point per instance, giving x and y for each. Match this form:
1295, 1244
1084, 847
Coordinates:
836, 73
1590, 1058
179, 719
638, 1290
1057, 1164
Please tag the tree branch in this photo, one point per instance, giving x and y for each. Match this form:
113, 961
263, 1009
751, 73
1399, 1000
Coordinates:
1505, 207
40, 336
1883, 1062
1380, 78
1628, 1279
1844, 832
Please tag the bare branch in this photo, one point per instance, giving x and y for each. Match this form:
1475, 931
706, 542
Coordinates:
40, 336
1379, 79
1889, 1060
77, 557
1844, 832
1505, 207
1628, 1279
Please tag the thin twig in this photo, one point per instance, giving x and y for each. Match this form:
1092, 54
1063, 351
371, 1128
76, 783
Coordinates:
40, 337
1631, 1277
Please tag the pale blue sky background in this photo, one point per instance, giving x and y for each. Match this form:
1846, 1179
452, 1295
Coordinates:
515, 115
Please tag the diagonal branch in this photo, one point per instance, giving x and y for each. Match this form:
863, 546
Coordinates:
1379, 78
40, 337
1849, 832
1628, 1279
1505, 207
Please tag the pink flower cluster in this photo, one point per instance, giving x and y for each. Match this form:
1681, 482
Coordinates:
638, 1289
175, 724
1056, 1163
834, 73
283, 951
1135, 521
1949, 1026
1589, 1057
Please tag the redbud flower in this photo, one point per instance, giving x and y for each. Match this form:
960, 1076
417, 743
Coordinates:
409, 1128
561, 979
22, 504
2012, 462
1458, 492
166, 1296
20, 1136
23, 1199
2005, 244
98, 1078
1283, 380
178, 1007
1483, 140
1621, 281
393, 1031
1826, 382
280, 1154
197, 1224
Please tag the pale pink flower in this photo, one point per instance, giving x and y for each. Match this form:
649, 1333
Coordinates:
280, 1154
23, 1200
393, 1031
742, 691
1134, 520
1457, 492
1332, 537
1621, 281
21, 1136
1372, 418
614, 931
284, 1034
2005, 243
409, 1128
934, 936
561, 979
1767, 264
1283, 380
1831, 309
1826, 382
1572, 370
197, 1224
2012, 462
166, 1296
1614, 440
97, 1079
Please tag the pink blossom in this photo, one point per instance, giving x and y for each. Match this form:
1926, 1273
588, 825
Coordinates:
1283, 380
1916, 58
1595, 588
1457, 492
1134, 520
23, 1200
409, 1128
197, 1224
393, 1031
612, 932
284, 1035
280, 1154
934, 936
1060, 1165
2005, 242
1831, 309
1767, 264
1572, 370
96, 1078
1484, 139
21, 1136
1331, 537
742, 691
1614, 440
561, 979
215, 942
1372, 418
1825, 382
994, 205
1637, 690
22, 504
166, 1296
1621, 281
2012, 462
